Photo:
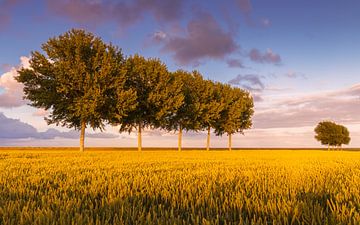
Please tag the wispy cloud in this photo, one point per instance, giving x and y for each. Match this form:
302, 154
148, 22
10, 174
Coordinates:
293, 74
267, 57
246, 9
5, 11
16, 129
342, 106
235, 63
123, 13
250, 82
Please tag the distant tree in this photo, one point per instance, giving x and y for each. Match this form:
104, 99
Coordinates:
332, 134
158, 95
77, 80
236, 114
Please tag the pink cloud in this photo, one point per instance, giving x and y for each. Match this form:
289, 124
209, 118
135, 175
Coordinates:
235, 63
244, 6
96, 12
246, 9
204, 39
342, 106
11, 92
5, 11
41, 113
267, 57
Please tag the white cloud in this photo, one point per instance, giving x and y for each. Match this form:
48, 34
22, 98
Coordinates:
11, 94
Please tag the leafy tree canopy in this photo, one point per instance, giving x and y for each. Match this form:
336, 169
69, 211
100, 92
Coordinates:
332, 134
77, 80
237, 111
158, 93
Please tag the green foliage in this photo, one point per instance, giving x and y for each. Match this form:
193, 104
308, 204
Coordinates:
332, 134
191, 112
84, 82
158, 93
237, 111
77, 80
193, 187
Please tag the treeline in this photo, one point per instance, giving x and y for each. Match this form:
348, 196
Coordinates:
84, 82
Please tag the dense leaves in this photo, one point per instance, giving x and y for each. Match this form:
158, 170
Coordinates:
332, 134
78, 80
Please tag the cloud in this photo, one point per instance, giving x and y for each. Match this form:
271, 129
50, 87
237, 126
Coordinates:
5, 67
246, 9
15, 129
292, 74
41, 113
5, 11
11, 92
267, 57
265, 22
250, 82
342, 106
244, 6
235, 63
204, 39
123, 13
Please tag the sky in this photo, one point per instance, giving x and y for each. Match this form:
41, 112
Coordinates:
299, 59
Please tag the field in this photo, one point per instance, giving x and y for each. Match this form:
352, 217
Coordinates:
189, 187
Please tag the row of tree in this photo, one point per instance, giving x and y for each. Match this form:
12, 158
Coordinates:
84, 82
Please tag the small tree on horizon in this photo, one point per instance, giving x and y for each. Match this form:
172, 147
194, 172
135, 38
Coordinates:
77, 80
331, 134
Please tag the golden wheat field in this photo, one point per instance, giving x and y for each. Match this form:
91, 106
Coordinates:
189, 187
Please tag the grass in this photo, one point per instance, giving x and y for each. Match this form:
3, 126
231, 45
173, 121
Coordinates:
167, 187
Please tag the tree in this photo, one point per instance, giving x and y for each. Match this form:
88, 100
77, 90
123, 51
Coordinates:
236, 114
158, 95
77, 80
213, 104
332, 134
192, 112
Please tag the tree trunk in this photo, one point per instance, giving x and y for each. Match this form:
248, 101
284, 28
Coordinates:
208, 140
82, 136
229, 142
180, 137
139, 138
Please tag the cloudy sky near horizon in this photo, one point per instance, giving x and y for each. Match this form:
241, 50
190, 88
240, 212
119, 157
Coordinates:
299, 59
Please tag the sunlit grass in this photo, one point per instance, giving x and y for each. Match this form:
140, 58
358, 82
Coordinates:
169, 187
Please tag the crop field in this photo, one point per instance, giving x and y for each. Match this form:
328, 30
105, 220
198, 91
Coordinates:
189, 187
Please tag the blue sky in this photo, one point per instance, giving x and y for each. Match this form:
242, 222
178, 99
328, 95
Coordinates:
299, 59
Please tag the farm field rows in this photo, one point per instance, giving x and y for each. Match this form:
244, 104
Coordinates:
189, 187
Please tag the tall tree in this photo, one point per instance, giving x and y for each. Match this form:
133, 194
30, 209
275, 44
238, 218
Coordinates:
332, 134
77, 80
189, 113
158, 95
236, 114
213, 104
